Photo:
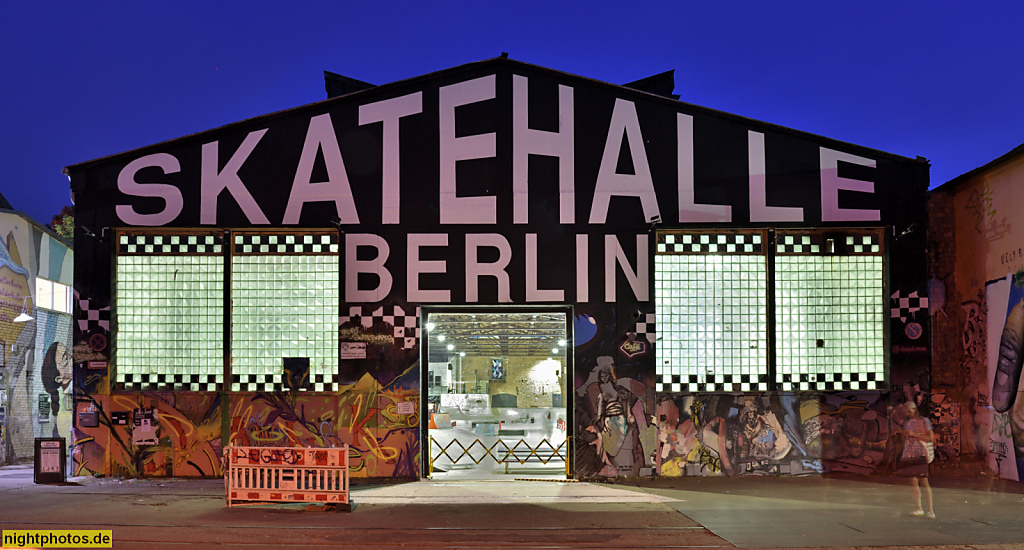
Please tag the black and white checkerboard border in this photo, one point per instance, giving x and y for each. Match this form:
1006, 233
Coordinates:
168, 382
907, 306
406, 327
169, 244
286, 243
818, 243
275, 382
759, 382
711, 383
690, 243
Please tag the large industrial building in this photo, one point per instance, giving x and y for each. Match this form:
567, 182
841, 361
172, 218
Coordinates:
500, 269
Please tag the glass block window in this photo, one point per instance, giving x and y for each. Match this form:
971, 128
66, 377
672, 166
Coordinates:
169, 299
712, 312
285, 304
829, 312
770, 310
171, 315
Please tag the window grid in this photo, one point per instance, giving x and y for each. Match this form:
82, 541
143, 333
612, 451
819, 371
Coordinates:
170, 317
283, 306
711, 292
829, 322
169, 298
711, 312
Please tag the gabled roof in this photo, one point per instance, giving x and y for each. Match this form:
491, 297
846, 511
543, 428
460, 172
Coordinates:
656, 82
952, 184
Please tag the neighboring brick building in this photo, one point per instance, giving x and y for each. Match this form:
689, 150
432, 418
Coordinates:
976, 256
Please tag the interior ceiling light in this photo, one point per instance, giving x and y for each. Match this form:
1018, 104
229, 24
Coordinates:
440, 337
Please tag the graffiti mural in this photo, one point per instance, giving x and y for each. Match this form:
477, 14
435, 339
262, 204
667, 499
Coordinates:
616, 432
1005, 353
781, 434
192, 428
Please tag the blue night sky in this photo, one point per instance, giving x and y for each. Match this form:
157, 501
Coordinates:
84, 80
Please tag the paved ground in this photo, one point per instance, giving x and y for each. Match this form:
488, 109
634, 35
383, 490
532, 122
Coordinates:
811, 512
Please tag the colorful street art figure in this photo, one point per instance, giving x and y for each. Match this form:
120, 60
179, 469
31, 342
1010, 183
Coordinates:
616, 407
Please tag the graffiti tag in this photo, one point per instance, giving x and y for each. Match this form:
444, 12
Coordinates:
270, 456
973, 328
980, 204
1001, 424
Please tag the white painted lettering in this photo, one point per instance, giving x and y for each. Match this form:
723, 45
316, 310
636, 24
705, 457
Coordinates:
355, 266
389, 112
831, 184
127, 184
613, 254
476, 269
533, 294
321, 137
415, 266
689, 210
214, 181
582, 269
453, 208
759, 209
609, 183
527, 141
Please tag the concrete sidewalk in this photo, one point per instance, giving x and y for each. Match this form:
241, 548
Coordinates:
750, 512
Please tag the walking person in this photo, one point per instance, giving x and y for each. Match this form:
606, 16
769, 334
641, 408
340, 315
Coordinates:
918, 452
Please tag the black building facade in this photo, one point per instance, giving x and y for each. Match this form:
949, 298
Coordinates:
647, 286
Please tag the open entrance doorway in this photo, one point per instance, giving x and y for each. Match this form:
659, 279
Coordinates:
497, 392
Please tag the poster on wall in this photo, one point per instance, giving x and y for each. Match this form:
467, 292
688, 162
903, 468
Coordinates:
44, 407
144, 427
497, 369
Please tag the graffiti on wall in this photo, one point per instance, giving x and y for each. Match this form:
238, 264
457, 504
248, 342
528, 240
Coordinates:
981, 208
1006, 365
188, 435
616, 433
382, 443
788, 434
614, 420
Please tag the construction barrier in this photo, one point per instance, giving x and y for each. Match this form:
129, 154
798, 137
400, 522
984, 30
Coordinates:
520, 453
257, 475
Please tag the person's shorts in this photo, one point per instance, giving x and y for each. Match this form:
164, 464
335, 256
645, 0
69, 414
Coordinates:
913, 467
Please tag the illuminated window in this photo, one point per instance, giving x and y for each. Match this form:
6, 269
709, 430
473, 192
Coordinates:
53, 295
171, 315
284, 289
806, 313
170, 312
829, 311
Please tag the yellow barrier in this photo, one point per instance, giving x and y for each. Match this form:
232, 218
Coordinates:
255, 475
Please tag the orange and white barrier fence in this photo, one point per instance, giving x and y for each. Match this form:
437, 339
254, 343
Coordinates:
254, 475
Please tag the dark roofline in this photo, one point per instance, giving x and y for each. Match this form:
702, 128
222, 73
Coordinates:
384, 88
41, 226
956, 182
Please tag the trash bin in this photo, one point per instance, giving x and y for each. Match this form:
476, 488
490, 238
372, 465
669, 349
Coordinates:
51, 460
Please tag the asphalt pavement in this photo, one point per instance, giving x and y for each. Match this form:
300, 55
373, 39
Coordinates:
748, 512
